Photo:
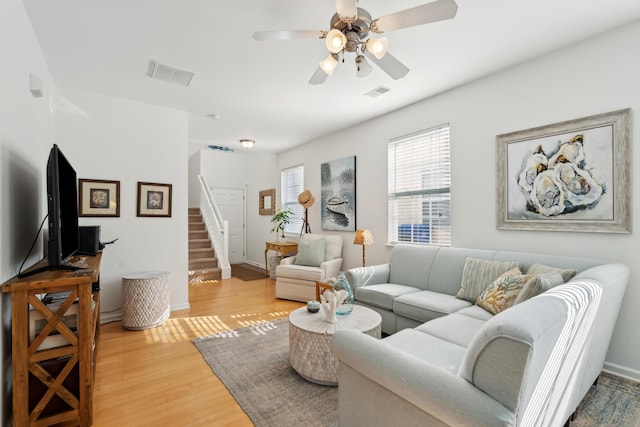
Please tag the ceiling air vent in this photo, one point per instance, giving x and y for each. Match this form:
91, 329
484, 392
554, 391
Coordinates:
380, 90
170, 74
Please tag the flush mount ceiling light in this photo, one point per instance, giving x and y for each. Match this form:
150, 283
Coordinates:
247, 143
350, 33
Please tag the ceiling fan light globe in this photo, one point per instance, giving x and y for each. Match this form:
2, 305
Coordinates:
329, 64
335, 41
378, 47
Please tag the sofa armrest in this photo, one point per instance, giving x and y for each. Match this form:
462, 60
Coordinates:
373, 275
434, 390
331, 268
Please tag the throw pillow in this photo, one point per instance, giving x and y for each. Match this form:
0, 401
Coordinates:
478, 274
567, 274
311, 252
503, 292
539, 284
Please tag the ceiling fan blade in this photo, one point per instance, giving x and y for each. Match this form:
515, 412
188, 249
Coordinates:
439, 10
347, 10
390, 65
288, 35
318, 77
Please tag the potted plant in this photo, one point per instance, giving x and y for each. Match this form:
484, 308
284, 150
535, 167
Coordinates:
281, 219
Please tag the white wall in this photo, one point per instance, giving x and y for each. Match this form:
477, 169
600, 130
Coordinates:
592, 77
115, 139
253, 171
26, 132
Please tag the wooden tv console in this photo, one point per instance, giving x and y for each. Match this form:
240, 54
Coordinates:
55, 384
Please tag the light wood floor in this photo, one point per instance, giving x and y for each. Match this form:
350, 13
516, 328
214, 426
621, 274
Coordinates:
157, 377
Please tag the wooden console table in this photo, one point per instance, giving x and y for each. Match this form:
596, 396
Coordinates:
281, 247
54, 384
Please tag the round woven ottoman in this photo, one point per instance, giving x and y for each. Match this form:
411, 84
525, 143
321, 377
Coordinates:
145, 299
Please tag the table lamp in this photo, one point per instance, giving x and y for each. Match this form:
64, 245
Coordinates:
364, 238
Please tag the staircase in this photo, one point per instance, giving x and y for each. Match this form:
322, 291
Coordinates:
203, 264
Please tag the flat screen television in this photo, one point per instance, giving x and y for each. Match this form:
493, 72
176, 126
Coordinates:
62, 201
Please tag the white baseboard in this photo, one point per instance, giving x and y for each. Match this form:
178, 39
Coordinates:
114, 316
621, 371
255, 264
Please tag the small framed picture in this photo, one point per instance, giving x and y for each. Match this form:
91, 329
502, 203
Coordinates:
98, 197
154, 199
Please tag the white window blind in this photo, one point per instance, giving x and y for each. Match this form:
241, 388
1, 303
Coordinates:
419, 208
292, 181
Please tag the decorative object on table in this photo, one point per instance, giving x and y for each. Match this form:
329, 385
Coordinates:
98, 197
338, 194
281, 219
364, 238
154, 199
341, 283
313, 306
306, 200
330, 301
569, 176
267, 202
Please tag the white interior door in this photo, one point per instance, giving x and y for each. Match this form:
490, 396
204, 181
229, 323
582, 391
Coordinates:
230, 201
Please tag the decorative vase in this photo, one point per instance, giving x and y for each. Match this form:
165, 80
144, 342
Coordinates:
342, 283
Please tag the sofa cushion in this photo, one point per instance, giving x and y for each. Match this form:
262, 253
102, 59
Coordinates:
454, 328
311, 252
503, 292
477, 274
429, 348
539, 284
475, 312
382, 295
301, 272
567, 274
426, 305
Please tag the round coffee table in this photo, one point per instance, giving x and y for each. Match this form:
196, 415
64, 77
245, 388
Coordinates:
310, 335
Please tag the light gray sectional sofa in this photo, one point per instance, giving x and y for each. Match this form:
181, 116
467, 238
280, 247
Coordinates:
447, 361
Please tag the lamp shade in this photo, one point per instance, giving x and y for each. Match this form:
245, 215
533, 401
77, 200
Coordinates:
335, 41
377, 47
329, 64
363, 237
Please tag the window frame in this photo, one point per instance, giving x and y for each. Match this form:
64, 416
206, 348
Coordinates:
289, 193
419, 179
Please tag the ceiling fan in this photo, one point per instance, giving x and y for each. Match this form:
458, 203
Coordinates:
350, 31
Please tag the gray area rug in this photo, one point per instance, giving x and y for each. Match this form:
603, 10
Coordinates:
253, 363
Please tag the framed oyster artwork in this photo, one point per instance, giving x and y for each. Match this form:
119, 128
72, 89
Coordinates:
568, 176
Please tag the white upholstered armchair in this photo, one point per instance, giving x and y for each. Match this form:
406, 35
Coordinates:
319, 258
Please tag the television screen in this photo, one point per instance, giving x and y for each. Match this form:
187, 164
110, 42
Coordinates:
62, 200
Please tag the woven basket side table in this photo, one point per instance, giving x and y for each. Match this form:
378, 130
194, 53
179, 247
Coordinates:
145, 299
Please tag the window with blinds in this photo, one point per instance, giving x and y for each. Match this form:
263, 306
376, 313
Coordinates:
291, 185
419, 208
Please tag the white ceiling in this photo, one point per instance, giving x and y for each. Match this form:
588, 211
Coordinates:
260, 89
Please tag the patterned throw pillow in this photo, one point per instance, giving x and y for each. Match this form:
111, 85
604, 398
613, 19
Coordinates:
567, 274
539, 284
478, 274
503, 292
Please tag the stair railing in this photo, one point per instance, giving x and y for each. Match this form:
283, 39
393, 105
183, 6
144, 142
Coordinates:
217, 227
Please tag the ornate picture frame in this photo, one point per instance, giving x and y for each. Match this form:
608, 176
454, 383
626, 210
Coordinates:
98, 198
154, 200
568, 176
267, 202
